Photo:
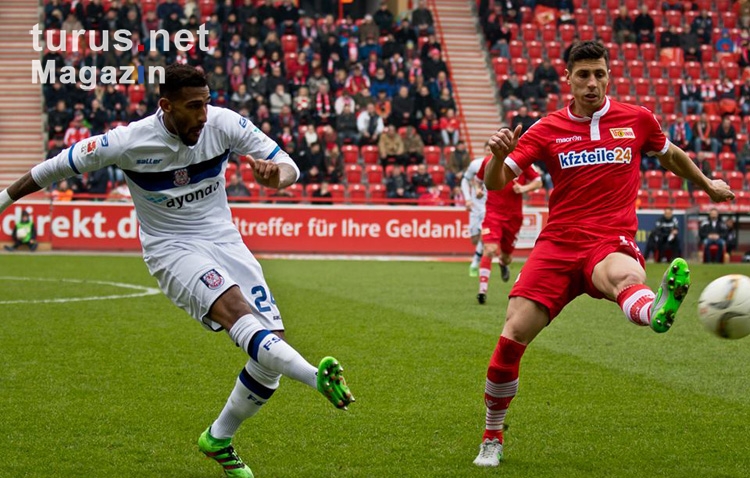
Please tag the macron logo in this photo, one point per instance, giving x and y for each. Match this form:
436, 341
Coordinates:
569, 139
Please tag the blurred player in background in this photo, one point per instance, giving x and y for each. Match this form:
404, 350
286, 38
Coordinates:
592, 149
475, 196
174, 163
502, 221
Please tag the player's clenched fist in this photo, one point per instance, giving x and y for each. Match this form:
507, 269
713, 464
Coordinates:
504, 141
265, 172
719, 191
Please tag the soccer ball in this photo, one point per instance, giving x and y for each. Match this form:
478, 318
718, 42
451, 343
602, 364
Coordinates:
724, 306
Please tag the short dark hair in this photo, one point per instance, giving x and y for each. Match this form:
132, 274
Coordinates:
178, 76
587, 50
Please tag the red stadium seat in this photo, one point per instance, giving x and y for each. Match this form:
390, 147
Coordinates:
707, 53
586, 32
617, 68
374, 174
701, 198
516, 48
661, 87
642, 87
560, 68
674, 70
248, 176
614, 49
673, 18
681, 199
520, 66
207, 7
648, 51
674, 182
734, 179
637, 69
537, 198
729, 19
534, 49
501, 65
742, 199
310, 189
643, 199
622, 86
648, 102
230, 171
432, 154
370, 154
629, 51
582, 17
599, 18
659, 199
712, 70
654, 179
553, 50
549, 33
438, 173
337, 192
529, 32
377, 192
655, 70
136, 94
357, 193
731, 70
351, 153
727, 161
567, 33
353, 173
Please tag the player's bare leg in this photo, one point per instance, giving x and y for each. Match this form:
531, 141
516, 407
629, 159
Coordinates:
505, 260
524, 320
485, 269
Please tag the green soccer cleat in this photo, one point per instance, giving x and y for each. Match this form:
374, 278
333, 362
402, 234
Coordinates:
473, 270
669, 297
223, 453
332, 385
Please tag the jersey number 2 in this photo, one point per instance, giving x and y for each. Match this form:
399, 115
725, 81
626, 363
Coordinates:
261, 296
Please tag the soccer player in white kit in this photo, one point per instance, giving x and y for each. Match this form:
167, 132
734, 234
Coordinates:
174, 163
475, 196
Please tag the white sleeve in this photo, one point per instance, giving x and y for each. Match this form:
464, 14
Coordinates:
249, 139
466, 186
90, 154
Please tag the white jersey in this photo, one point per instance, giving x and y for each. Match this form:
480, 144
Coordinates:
469, 186
178, 190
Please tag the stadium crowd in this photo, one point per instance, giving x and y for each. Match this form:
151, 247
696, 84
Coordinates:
361, 104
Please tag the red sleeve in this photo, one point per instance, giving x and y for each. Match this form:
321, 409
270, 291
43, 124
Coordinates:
529, 149
530, 174
480, 173
649, 128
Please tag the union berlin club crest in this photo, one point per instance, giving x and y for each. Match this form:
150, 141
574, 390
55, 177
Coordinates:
181, 177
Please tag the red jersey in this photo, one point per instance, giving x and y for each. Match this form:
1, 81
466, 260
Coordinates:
506, 202
594, 163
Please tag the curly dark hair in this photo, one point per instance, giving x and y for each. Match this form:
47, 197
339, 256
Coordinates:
587, 50
178, 76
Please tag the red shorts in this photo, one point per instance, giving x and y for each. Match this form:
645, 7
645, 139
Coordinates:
501, 230
558, 271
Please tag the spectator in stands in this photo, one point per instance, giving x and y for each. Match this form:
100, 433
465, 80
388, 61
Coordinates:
97, 182
334, 165
531, 93
370, 125
498, 35
701, 161
421, 180
167, 7
449, 128
676, 5
76, 131
510, 93
523, 119
413, 145
445, 102
457, 162
357, 81
245, 11
384, 18
302, 106
643, 26
712, 233
236, 189
680, 132
322, 195
703, 26
702, 133
433, 65
59, 118
402, 108
278, 99
380, 83
666, 237
323, 105
218, 82
62, 192
429, 128
727, 96
97, 117
397, 185
383, 106
346, 125
440, 83
58, 145
421, 19
724, 44
725, 136
422, 101
368, 29
391, 147
690, 44
287, 16
241, 99
670, 38
72, 23
24, 233
743, 159
406, 35
690, 97
547, 77
623, 27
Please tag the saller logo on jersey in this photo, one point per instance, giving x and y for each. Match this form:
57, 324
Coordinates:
573, 159
212, 279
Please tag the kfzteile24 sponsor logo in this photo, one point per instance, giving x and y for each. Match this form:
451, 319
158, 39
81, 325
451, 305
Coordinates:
574, 159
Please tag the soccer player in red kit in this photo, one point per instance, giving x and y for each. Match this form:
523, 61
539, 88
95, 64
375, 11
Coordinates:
592, 149
502, 222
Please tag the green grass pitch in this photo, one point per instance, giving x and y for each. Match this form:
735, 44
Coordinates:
123, 387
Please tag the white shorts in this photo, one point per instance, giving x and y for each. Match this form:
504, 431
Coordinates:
476, 217
195, 274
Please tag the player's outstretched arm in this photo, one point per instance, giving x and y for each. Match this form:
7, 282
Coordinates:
271, 174
677, 161
502, 143
19, 189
